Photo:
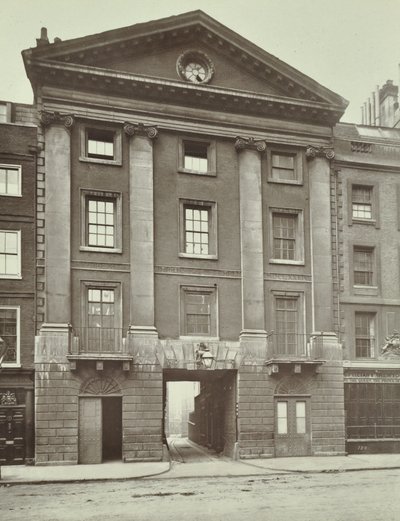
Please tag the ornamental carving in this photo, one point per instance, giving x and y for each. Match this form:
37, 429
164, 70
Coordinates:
251, 143
54, 118
138, 129
326, 152
391, 349
291, 385
8, 398
100, 386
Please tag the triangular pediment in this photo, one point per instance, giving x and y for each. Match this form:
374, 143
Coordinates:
152, 49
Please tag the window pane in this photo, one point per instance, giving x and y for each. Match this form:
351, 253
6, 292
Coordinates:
301, 417
3, 183
281, 413
283, 166
13, 182
196, 231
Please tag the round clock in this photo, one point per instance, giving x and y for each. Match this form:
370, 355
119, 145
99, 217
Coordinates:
195, 67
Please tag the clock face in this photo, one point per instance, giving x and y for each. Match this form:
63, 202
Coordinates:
195, 67
195, 72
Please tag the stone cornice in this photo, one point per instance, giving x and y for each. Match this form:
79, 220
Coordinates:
251, 143
139, 129
326, 152
56, 118
111, 82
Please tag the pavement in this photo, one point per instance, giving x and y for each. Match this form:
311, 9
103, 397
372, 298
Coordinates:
188, 460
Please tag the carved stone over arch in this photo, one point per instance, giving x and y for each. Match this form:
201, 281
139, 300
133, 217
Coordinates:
251, 143
53, 118
100, 386
291, 385
326, 152
139, 129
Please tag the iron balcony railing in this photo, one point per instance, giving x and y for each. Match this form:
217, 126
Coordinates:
373, 431
295, 345
96, 340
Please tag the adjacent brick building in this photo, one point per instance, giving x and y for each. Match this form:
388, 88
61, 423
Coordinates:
192, 225
18, 139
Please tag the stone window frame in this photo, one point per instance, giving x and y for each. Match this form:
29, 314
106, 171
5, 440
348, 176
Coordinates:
298, 164
18, 275
199, 289
211, 206
299, 238
18, 168
356, 289
17, 363
300, 297
83, 132
211, 156
374, 186
85, 195
374, 344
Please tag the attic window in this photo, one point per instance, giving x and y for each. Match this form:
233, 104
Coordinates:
197, 157
100, 144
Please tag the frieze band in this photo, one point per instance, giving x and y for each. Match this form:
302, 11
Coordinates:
326, 152
53, 118
250, 142
139, 129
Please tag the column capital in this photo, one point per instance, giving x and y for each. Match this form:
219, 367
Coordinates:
139, 129
251, 143
313, 152
48, 118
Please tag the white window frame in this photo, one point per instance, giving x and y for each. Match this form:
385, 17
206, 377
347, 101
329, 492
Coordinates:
17, 363
211, 207
96, 194
117, 159
19, 169
18, 275
211, 156
299, 238
210, 290
298, 160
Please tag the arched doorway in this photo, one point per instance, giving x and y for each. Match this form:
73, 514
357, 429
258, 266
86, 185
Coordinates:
100, 421
292, 418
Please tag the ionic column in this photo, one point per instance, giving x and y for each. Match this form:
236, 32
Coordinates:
251, 240
58, 217
321, 246
141, 170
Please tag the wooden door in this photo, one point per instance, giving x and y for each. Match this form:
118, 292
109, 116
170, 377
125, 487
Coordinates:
12, 435
292, 426
90, 430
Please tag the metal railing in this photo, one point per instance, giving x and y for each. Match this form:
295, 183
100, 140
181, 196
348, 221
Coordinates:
293, 344
106, 340
373, 431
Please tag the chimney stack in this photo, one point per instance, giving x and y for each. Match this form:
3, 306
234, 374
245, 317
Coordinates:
43, 40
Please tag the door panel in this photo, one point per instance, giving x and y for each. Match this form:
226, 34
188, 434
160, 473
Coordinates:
112, 428
12, 435
292, 427
90, 430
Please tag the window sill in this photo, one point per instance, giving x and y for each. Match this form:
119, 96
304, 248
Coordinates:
285, 181
10, 365
100, 250
195, 256
10, 195
365, 290
286, 261
11, 277
113, 162
196, 338
370, 222
208, 173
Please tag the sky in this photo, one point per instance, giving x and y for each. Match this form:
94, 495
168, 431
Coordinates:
349, 46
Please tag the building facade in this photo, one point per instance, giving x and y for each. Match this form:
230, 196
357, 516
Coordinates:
18, 141
191, 226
